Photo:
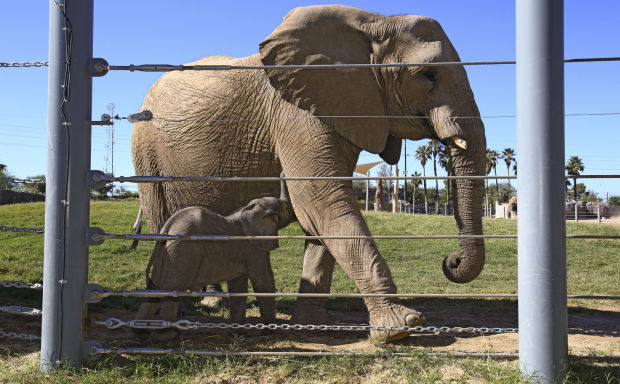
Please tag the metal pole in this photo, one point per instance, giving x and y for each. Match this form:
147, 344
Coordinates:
405, 181
65, 274
598, 212
543, 343
576, 212
367, 188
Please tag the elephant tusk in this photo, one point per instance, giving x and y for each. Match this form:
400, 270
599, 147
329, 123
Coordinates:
459, 142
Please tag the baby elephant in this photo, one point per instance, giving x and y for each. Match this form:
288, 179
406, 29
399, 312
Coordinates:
190, 265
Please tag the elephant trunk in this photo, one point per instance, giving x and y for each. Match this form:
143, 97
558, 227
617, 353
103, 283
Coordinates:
466, 265
284, 196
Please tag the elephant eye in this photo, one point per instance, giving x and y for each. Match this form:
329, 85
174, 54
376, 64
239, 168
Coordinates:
273, 217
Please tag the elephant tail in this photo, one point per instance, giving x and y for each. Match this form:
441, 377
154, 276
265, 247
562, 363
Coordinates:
156, 251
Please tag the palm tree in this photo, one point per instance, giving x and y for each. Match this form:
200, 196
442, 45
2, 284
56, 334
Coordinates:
415, 182
422, 154
509, 156
573, 167
492, 157
434, 146
488, 168
445, 161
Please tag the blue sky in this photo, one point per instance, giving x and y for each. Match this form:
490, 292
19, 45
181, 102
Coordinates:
174, 32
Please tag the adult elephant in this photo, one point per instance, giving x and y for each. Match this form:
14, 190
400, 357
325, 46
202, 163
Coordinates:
260, 122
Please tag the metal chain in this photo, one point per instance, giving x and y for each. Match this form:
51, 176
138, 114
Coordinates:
19, 284
20, 336
114, 323
25, 64
17, 310
4, 228
22, 181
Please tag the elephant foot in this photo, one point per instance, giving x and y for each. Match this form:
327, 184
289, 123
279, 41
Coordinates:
307, 312
388, 314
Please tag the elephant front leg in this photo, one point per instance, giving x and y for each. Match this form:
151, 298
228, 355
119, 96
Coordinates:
261, 277
238, 305
316, 278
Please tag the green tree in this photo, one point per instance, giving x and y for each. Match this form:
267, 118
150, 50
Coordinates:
614, 201
4, 173
492, 157
509, 156
422, 154
434, 146
413, 185
573, 167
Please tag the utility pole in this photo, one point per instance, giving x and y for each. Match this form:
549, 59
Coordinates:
405, 181
395, 193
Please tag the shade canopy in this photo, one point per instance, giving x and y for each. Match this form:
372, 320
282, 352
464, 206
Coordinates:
364, 168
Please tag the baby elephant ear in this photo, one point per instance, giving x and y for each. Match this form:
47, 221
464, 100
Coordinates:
329, 35
254, 224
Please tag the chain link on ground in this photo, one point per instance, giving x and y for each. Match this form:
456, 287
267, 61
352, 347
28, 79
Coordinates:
4, 228
24, 64
19, 284
17, 310
114, 323
18, 336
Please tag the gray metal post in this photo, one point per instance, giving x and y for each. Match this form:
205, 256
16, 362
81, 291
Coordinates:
65, 274
598, 212
543, 343
576, 212
367, 188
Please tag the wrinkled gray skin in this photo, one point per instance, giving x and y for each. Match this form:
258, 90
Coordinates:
259, 122
191, 265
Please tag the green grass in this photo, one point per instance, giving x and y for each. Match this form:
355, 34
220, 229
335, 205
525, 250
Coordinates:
415, 264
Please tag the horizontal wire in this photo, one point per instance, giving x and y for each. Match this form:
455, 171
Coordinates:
98, 295
169, 67
162, 237
157, 179
95, 350
284, 118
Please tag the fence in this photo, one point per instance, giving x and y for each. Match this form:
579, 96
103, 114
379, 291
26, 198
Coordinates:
542, 254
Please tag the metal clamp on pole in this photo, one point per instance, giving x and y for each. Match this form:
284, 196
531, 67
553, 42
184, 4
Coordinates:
95, 236
96, 179
145, 115
105, 120
94, 293
98, 67
90, 350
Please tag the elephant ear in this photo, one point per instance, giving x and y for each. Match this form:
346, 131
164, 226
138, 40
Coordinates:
329, 35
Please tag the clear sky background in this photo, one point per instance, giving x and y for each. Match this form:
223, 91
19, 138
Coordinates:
175, 32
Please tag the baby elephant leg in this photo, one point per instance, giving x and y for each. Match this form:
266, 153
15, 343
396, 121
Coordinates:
238, 304
148, 309
262, 279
